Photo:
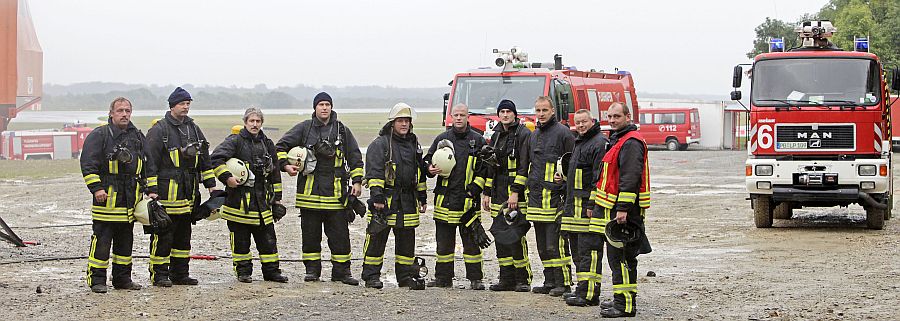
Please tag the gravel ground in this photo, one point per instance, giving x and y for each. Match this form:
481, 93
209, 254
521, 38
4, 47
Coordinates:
709, 260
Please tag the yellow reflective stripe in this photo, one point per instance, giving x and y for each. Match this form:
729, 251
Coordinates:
470, 172
156, 260
479, 181
318, 205
282, 155
97, 264
207, 174
356, 172
172, 191
549, 170
121, 260
373, 260
176, 160
276, 187
221, 169
312, 256
337, 187
91, 179
238, 257
447, 258
422, 186
180, 253
578, 173
477, 258
113, 167
626, 197
521, 180
338, 159
152, 181
268, 258
340, 258
307, 187
403, 260
505, 261
374, 182
489, 182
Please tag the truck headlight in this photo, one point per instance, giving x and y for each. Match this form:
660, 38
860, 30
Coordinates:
765, 170
867, 170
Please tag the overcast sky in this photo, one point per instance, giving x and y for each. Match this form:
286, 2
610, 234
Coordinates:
685, 47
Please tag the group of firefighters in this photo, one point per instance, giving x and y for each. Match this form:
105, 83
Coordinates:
605, 184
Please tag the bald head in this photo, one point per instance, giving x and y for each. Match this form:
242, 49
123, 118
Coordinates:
459, 114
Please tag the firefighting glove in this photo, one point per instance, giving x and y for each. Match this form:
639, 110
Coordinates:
278, 211
159, 219
358, 206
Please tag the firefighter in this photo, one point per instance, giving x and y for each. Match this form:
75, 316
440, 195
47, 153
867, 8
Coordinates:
251, 208
506, 184
623, 194
322, 194
581, 179
457, 192
112, 162
395, 176
549, 141
177, 163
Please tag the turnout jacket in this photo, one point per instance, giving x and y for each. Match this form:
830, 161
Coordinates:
120, 180
403, 196
451, 194
545, 197
171, 174
581, 179
511, 173
326, 187
245, 204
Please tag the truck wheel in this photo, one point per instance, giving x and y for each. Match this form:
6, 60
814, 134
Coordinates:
762, 211
874, 218
783, 211
672, 144
683, 146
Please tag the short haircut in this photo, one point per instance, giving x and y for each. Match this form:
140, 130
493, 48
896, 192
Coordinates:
584, 111
545, 99
625, 109
253, 110
112, 105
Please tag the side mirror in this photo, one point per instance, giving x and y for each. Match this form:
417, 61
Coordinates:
895, 79
736, 78
736, 95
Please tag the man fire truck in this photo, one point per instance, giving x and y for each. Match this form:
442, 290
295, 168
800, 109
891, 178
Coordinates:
819, 128
519, 81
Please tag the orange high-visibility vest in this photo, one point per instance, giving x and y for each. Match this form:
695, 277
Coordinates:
608, 184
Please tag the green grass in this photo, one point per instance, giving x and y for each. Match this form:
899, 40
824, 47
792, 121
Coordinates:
364, 126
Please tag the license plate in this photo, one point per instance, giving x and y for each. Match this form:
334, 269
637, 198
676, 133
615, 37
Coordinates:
792, 145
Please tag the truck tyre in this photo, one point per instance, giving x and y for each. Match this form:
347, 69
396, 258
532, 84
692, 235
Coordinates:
672, 144
783, 211
762, 211
874, 218
683, 146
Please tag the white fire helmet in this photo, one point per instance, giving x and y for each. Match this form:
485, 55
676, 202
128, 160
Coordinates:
443, 158
300, 156
402, 110
142, 212
562, 165
238, 169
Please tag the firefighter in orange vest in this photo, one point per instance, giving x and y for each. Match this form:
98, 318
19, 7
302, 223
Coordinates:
623, 194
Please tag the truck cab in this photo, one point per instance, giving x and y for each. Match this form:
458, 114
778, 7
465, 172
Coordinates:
676, 127
515, 79
819, 130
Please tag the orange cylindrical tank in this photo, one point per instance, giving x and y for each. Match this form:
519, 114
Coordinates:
8, 51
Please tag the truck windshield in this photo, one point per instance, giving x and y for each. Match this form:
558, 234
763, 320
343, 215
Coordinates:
816, 82
483, 94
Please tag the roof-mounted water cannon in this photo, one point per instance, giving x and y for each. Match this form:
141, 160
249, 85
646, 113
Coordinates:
509, 60
861, 44
776, 45
815, 34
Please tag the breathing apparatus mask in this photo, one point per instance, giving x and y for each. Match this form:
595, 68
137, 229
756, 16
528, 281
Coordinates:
192, 149
121, 153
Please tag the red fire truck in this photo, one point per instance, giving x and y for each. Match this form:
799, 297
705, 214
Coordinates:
819, 128
895, 127
522, 82
675, 127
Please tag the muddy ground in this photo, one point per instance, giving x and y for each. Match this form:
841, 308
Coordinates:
709, 260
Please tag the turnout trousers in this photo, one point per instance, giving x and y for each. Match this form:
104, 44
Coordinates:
589, 268
445, 235
266, 245
118, 236
623, 264
553, 250
336, 230
515, 267
171, 247
404, 252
